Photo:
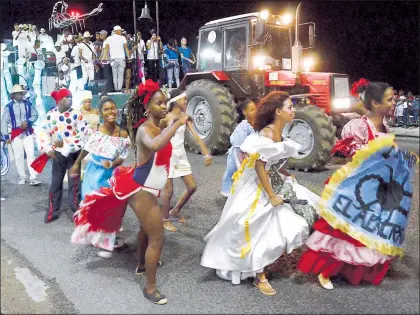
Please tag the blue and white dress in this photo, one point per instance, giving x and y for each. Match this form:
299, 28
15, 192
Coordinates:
101, 147
235, 156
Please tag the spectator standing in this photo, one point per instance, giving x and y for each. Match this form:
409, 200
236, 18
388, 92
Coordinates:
67, 42
117, 47
86, 53
44, 38
22, 39
172, 67
154, 47
15, 39
187, 57
97, 51
399, 110
18, 117
59, 53
141, 50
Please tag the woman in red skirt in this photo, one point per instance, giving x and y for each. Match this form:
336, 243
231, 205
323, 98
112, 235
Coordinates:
100, 215
332, 252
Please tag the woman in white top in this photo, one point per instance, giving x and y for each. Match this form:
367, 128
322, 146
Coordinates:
256, 227
179, 165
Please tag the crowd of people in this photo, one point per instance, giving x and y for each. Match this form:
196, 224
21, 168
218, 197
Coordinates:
267, 212
407, 109
113, 58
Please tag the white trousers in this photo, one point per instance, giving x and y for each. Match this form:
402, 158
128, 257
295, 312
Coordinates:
88, 72
20, 145
118, 67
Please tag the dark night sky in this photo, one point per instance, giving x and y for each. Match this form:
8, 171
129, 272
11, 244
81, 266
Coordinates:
378, 40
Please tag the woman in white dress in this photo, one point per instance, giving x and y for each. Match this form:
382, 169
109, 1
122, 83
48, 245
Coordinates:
256, 227
180, 166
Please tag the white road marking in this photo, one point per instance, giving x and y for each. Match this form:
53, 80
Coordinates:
35, 287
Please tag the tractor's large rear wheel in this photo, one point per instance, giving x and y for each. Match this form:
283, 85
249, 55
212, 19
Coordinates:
314, 130
213, 109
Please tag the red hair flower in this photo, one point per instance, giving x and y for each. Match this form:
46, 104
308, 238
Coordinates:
148, 89
355, 87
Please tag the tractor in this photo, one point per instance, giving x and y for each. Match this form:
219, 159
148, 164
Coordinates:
249, 56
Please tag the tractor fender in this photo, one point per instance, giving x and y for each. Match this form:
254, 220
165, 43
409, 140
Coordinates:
207, 75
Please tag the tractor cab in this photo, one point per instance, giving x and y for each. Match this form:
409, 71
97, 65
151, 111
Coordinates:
232, 44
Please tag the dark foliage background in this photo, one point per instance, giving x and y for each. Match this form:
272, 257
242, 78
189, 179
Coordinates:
378, 40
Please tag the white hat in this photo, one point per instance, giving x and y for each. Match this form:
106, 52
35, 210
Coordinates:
42, 30
117, 28
86, 35
17, 89
86, 95
20, 25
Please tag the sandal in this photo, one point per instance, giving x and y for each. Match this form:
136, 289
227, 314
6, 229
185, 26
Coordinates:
141, 271
271, 290
119, 242
155, 297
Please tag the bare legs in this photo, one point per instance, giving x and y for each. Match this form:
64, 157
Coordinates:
168, 191
150, 237
191, 187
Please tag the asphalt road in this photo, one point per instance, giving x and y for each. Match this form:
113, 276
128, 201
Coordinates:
42, 272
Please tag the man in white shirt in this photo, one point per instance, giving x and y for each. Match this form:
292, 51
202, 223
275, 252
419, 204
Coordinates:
66, 41
154, 47
141, 50
59, 53
116, 46
86, 57
22, 39
44, 38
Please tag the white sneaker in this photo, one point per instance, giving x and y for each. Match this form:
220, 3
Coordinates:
34, 182
22, 182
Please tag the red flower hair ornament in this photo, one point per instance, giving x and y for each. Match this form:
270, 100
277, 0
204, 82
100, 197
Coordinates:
356, 86
147, 89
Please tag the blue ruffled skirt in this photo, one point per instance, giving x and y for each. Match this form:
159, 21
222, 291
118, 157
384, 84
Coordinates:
95, 175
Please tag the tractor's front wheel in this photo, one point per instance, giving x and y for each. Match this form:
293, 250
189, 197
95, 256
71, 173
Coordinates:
314, 130
213, 110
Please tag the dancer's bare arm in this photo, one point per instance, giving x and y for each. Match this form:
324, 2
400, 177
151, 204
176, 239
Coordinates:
153, 142
204, 150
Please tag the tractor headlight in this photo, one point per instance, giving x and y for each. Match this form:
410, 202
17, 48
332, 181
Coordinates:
260, 63
342, 103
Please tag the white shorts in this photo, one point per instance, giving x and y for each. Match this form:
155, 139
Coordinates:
179, 166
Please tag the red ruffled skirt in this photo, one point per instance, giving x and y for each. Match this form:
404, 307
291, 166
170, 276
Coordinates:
332, 253
101, 212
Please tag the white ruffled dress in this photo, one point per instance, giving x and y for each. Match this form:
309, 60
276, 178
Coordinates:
251, 233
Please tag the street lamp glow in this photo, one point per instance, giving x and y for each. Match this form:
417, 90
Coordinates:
286, 18
264, 14
308, 63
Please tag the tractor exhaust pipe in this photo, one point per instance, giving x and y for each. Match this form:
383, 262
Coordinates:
297, 46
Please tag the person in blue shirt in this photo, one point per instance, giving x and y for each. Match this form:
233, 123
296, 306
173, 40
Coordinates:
172, 66
187, 57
